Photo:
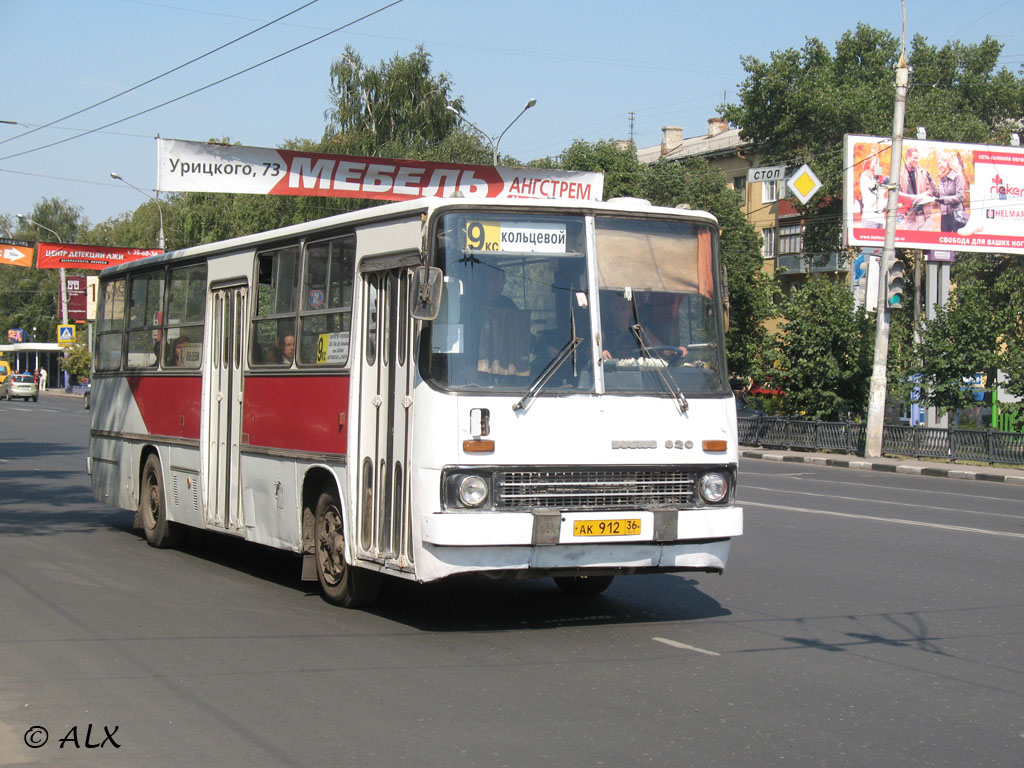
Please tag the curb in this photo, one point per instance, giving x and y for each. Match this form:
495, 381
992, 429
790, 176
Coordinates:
1011, 476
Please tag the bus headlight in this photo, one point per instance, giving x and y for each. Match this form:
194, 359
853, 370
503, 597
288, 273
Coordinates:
713, 487
472, 491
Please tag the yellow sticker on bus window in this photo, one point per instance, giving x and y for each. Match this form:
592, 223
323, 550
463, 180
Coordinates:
483, 236
331, 348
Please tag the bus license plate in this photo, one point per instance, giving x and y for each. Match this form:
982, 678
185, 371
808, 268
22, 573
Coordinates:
628, 527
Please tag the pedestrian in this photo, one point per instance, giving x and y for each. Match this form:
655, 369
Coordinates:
42, 379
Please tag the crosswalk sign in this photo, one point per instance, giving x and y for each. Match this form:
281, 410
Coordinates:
65, 334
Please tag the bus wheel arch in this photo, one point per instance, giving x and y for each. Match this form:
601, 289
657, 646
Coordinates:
152, 511
340, 582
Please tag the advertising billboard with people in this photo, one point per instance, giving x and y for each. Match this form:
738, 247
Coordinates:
957, 197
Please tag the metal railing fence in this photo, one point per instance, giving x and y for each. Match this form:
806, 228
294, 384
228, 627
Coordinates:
986, 445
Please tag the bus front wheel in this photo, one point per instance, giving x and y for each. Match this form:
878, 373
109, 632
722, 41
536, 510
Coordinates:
160, 532
583, 585
342, 583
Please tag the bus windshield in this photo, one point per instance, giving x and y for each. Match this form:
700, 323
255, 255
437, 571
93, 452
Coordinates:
517, 293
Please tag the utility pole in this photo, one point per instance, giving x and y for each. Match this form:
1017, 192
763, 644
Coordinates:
876, 404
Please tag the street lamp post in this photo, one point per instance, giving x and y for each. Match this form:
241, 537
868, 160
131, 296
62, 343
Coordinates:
159, 207
490, 139
63, 285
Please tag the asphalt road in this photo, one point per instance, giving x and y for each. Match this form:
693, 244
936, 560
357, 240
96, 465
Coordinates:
865, 619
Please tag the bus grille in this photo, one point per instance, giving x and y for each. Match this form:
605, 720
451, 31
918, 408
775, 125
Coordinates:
601, 488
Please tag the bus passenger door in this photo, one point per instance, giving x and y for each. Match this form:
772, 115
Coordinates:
224, 409
385, 404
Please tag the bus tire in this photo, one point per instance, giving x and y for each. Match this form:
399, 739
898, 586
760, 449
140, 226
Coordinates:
585, 586
160, 532
342, 583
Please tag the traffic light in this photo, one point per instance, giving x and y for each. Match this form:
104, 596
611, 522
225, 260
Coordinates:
894, 285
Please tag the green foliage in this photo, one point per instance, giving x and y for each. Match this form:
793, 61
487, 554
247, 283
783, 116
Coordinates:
390, 110
824, 353
30, 298
797, 107
981, 330
78, 361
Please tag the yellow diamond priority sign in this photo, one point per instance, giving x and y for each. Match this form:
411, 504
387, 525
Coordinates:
804, 183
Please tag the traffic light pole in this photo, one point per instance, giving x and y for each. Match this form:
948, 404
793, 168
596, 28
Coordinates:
876, 404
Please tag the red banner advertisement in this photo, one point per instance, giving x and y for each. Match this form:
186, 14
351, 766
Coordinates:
15, 253
951, 197
190, 166
71, 256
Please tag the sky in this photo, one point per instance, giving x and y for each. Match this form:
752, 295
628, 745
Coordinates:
598, 70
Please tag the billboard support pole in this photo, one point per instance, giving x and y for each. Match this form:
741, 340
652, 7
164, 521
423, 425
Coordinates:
876, 403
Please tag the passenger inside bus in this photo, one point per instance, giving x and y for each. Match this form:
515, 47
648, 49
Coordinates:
284, 349
617, 338
176, 355
504, 342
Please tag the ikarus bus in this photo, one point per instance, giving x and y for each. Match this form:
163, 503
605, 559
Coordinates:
430, 388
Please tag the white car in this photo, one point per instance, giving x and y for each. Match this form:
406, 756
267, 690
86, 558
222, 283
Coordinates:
20, 385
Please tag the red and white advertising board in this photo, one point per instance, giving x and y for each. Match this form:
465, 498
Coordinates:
988, 218
72, 256
191, 166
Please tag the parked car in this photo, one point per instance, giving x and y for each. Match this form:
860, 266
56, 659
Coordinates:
744, 411
20, 385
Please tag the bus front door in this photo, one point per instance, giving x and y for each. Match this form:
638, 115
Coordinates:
385, 402
224, 408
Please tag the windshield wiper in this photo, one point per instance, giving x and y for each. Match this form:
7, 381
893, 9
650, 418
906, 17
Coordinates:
666, 381
559, 358
549, 371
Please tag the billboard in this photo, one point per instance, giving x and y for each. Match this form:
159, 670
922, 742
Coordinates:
952, 197
71, 256
16, 253
193, 166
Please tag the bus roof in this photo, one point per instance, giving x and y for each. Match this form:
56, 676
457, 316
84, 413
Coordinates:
426, 206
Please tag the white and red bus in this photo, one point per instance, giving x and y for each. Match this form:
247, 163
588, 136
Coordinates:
430, 388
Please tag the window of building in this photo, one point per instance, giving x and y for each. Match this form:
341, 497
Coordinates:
740, 185
768, 248
791, 239
769, 191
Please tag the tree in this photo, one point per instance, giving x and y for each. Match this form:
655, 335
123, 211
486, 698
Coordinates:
824, 353
30, 298
392, 110
797, 107
78, 361
981, 330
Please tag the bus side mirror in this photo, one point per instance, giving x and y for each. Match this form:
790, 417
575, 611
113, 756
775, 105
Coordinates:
425, 293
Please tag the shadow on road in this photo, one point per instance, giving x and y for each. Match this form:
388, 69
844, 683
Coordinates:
476, 603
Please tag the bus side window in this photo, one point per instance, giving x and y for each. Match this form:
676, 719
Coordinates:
277, 290
325, 314
186, 313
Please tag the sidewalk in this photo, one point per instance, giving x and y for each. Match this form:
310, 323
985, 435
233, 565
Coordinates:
1014, 476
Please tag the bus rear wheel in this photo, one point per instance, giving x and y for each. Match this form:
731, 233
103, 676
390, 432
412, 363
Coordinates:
342, 584
160, 532
583, 585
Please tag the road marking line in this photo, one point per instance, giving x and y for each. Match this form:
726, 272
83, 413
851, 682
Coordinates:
684, 646
960, 528
891, 503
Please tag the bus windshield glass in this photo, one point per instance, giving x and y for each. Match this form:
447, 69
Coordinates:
517, 294
659, 306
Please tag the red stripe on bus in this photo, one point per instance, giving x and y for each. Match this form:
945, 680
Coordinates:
305, 413
169, 405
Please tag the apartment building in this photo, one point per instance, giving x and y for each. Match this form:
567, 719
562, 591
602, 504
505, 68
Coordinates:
764, 203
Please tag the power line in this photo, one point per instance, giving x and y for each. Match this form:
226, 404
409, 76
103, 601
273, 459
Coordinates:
154, 79
210, 85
